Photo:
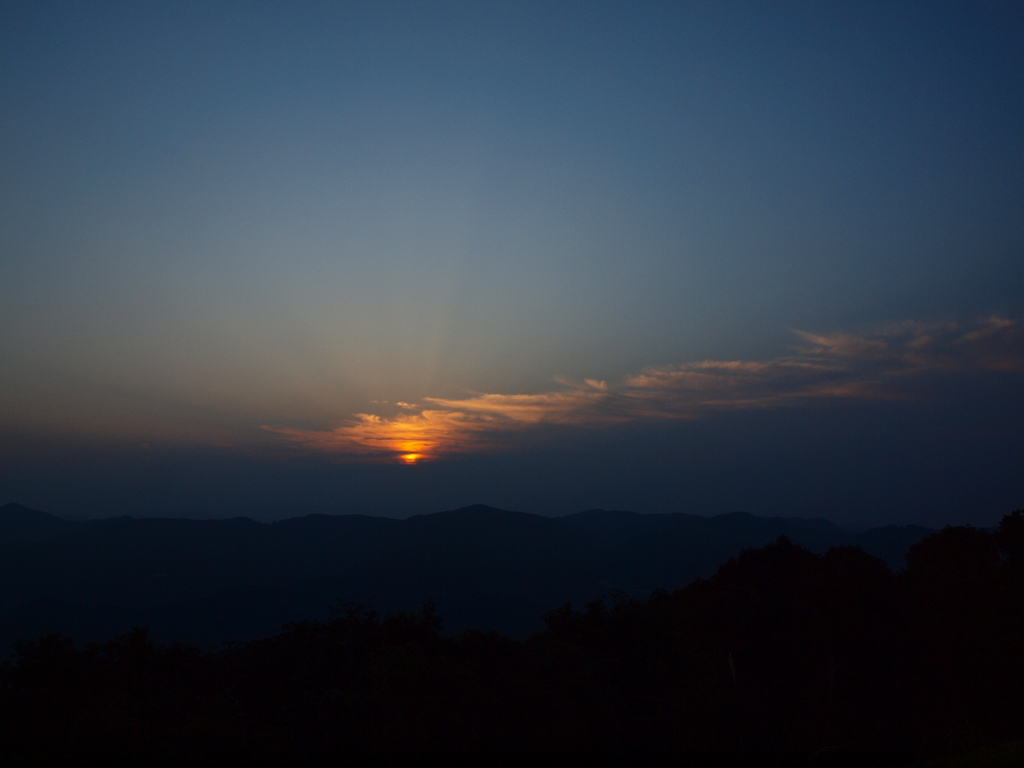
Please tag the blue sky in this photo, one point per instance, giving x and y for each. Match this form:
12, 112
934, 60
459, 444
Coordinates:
223, 226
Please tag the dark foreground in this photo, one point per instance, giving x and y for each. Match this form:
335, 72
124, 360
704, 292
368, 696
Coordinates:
783, 657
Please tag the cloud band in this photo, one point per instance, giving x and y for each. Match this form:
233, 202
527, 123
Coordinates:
883, 365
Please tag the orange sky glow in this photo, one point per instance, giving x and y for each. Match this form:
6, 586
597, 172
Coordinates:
825, 368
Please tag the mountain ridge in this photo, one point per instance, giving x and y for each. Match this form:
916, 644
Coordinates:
208, 581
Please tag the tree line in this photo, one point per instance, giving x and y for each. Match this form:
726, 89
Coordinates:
782, 657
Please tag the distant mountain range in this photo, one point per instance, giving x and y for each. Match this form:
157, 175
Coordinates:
210, 581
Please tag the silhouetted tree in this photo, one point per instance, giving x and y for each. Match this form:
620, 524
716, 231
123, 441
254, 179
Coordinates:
782, 657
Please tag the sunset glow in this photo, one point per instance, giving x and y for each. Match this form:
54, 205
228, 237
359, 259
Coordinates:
829, 368
542, 255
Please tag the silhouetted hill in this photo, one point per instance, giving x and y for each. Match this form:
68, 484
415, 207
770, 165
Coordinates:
680, 548
781, 657
20, 524
715, 539
891, 542
206, 581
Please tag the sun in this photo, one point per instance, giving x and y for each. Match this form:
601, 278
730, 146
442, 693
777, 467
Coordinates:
411, 458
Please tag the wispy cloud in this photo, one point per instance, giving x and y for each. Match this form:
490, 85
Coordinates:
824, 368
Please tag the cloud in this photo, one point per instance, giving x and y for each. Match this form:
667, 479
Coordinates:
882, 365
412, 436
450, 426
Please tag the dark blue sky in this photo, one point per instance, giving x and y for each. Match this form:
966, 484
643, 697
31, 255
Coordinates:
283, 245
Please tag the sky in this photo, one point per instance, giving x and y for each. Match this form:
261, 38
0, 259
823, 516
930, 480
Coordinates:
268, 259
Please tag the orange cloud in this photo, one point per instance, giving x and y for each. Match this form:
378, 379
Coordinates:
448, 426
827, 368
566, 407
414, 437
